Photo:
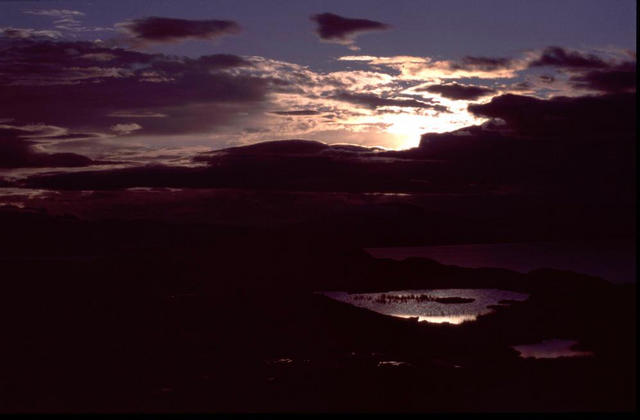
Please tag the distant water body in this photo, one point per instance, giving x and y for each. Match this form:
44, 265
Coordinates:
613, 260
425, 306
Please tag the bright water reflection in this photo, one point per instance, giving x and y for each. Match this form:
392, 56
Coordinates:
550, 349
428, 305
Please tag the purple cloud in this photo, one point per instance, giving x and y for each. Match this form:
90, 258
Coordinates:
18, 152
483, 63
160, 29
457, 91
341, 30
302, 112
620, 78
91, 85
374, 101
560, 57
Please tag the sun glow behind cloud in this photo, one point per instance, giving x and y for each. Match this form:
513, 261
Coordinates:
405, 126
408, 128
225, 100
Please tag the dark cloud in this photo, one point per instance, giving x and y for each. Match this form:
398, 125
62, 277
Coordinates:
23, 33
560, 57
545, 78
563, 116
373, 101
302, 112
281, 165
91, 84
552, 143
339, 29
456, 91
482, 63
569, 146
24, 62
620, 78
302, 148
160, 29
48, 62
16, 152
519, 87
223, 61
281, 147
74, 136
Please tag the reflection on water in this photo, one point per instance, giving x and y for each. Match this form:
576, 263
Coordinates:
441, 319
429, 305
393, 363
550, 349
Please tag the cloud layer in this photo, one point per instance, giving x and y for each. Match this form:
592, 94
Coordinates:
585, 148
16, 151
457, 91
373, 101
138, 107
155, 29
342, 30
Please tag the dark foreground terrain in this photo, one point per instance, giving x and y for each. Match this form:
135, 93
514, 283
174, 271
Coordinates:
122, 316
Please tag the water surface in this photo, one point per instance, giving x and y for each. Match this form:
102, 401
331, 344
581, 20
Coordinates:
430, 305
550, 349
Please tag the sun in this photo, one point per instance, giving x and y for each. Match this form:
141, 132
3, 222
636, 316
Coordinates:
408, 128
402, 127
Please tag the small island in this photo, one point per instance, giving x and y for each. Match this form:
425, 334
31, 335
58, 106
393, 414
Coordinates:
386, 298
454, 299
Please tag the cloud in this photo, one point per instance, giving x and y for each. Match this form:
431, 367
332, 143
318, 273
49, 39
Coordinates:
127, 128
373, 101
563, 146
196, 95
223, 100
54, 12
45, 62
288, 165
215, 96
570, 146
620, 78
301, 112
589, 152
24, 33
341, 30
568, 73
18, 152
545, 78
425, 68
559, 57
457, 91
136, 114
223, 61
67, 20
165, 30
484, 63
279, 148
572, 117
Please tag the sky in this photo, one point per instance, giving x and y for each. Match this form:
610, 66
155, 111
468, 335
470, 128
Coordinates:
114, 84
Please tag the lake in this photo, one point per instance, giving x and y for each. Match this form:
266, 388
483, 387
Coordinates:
550, 349
453, 306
